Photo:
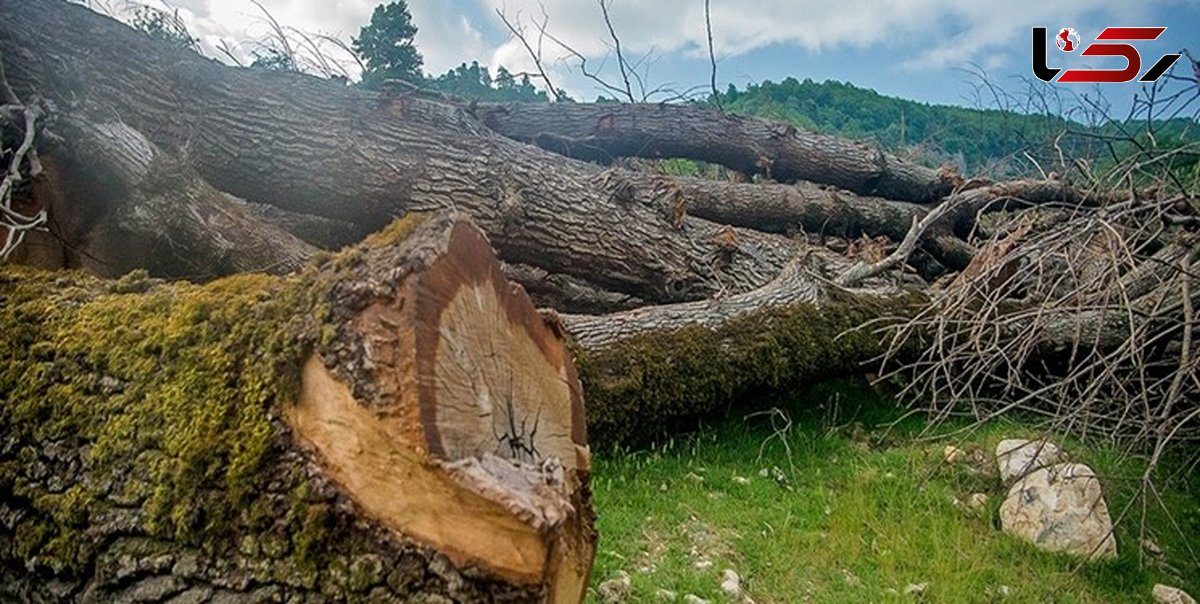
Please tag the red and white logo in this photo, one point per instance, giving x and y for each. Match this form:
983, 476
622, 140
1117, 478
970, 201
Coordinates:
1112, 42
1067, 39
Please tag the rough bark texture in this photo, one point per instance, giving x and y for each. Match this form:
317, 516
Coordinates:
143, 208
312, 438
309, 146
601, 132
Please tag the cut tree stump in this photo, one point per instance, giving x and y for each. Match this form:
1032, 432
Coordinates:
395, 423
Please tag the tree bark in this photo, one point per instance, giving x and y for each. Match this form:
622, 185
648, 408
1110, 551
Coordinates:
397, 424
145, 209
602, 132
314, 147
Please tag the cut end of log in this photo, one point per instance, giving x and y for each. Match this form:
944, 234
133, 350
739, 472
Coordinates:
475, 442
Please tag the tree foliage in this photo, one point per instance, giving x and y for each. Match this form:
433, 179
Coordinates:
475, 82
162, 25
970, 138
386, 46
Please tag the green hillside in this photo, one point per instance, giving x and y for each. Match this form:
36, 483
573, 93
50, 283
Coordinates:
971, 138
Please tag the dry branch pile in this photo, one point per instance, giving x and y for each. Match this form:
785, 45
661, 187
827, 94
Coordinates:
677, 296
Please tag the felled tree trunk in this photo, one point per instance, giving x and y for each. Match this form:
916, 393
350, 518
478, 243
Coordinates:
120, 203
345, 156
395, 424
310, 146
602, 132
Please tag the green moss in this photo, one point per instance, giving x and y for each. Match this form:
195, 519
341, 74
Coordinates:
170, 385
637, 387
171, 395
397, 231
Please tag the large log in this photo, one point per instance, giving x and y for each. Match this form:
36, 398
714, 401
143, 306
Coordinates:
396, 423
314, 147
120, 203
602, 132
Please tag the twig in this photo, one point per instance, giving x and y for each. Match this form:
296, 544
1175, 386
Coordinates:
612, 32
712, 57
519, 33
862, 271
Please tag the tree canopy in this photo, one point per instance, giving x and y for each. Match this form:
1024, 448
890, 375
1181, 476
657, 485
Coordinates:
386, 46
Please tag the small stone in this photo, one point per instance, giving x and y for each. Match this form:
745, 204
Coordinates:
617, 590
1152, 548
662, 487
665, 595
1165, 594
1017, 457
998, 592
850, 578
953, 454
915, 589
731, 583
977, 501
703, 563
694, 599
694, 477
1060, 509
741, 480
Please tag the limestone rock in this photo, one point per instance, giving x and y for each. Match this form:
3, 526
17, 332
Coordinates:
1060, 508
731, 583
1016, 457
1165, 594
617, 590
665, 595
977, 501
952, 454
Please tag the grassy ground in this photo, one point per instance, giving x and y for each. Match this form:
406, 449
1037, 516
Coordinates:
839, 509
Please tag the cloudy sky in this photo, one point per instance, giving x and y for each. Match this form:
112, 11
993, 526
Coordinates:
918, 49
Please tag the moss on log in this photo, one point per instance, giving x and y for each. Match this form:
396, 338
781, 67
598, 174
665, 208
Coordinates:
644, 386
148, 452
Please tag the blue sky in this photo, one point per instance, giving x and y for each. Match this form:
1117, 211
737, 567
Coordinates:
916, 49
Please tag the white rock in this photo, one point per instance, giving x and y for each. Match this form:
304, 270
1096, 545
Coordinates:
1017, 457
977, 501
999, 592
915, 589
850, 578
741, 480
615, 591
731, 583
665, 595
1060, 509
953, 454
1151, 547
1165, 594
694, 599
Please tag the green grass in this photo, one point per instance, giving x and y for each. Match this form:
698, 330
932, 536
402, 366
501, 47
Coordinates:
861, 513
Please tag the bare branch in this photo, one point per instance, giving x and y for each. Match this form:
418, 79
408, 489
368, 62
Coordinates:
712, 57
621, 64
519, 32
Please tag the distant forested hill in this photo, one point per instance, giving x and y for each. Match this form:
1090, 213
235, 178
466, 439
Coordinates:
970, 138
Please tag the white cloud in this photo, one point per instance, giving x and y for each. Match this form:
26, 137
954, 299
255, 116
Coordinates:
955, 30
951, 32
445, 37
